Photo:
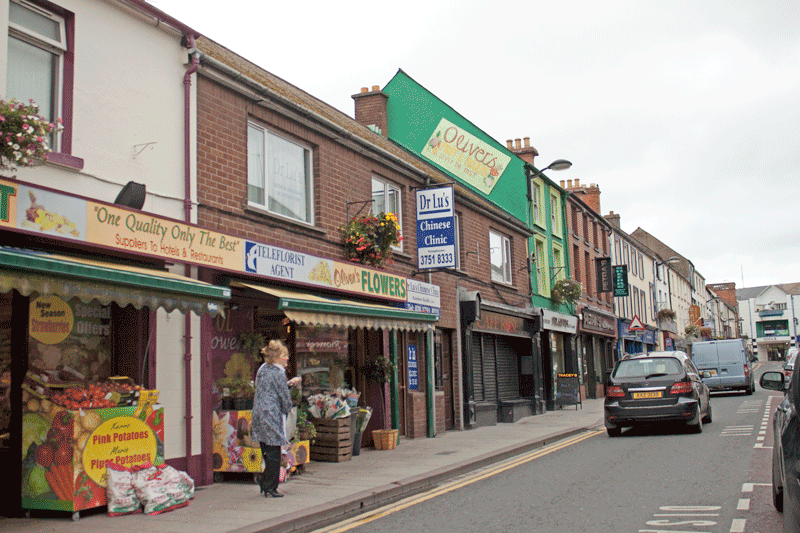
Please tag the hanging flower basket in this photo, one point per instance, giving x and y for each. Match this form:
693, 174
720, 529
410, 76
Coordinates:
24, 135
565, 291
369, 239
666, 314
692, 331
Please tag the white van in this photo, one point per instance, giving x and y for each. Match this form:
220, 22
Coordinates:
728, 361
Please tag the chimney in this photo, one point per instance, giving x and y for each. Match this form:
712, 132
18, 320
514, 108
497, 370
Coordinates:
577, 183
562, 184
523, 149
591, 196
569, 184
613, 219
370, 106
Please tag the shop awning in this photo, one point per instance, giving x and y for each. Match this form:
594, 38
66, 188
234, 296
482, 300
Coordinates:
307, 308
29, 272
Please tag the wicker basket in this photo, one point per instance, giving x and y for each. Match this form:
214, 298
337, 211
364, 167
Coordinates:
385, 439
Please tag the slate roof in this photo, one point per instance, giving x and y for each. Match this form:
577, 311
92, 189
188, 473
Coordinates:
745, 293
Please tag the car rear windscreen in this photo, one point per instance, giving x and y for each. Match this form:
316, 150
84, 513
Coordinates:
640, 368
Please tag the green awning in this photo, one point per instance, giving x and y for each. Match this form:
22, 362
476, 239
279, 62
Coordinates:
29, 272
313, 309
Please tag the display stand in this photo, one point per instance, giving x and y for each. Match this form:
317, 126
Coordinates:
333, 442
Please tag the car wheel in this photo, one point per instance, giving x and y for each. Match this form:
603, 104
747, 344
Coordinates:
614, 432
750, 390
707, 419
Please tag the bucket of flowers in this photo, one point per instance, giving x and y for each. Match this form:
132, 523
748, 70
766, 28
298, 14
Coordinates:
369, 239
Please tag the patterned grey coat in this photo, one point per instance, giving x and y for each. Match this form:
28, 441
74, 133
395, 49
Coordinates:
272, 401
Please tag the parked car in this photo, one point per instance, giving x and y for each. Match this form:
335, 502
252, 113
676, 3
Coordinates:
729, 361
786, 448
788, 366
656, 387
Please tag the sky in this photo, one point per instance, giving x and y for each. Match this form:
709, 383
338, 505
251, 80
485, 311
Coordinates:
685, 114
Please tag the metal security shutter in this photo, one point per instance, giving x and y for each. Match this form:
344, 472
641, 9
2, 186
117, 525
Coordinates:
507, 370
489, 368
477, 367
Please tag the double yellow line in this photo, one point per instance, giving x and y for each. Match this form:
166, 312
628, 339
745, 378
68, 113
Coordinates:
360, 520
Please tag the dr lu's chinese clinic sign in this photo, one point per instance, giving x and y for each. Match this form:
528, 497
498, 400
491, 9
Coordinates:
435, 228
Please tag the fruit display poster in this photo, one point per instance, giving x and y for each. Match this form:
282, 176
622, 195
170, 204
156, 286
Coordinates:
65, 452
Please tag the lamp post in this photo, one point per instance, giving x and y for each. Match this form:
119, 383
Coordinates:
673, 259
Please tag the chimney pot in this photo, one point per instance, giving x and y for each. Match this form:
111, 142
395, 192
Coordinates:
569, 184
376, 88
510, 144
518, 142
527, 141
364, 90
562, 184
577, 183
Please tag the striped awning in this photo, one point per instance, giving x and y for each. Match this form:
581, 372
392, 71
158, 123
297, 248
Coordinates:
313, 309
29, 272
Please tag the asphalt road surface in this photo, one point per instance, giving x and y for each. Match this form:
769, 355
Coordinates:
649, 480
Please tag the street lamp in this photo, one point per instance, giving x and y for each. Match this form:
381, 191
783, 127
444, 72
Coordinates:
673, 259
558, 164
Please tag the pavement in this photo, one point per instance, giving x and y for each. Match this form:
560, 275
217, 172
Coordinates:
329, 492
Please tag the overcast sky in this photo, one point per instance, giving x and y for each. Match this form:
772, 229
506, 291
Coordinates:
685, 114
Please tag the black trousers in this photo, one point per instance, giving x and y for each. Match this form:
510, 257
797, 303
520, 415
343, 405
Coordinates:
272, 468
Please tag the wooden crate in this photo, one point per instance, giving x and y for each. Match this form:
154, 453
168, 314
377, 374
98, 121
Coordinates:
333, 443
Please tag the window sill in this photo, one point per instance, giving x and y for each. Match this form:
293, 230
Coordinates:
65, 161
253, 210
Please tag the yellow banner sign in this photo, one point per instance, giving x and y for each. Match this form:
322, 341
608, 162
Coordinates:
142, 233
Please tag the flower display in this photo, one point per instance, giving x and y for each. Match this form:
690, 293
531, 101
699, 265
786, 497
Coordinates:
565, 291
369, 239
24, 135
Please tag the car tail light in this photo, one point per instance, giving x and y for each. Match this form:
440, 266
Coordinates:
746, 370
681, 388
615, 391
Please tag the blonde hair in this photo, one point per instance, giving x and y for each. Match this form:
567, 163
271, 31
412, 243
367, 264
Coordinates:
272, 351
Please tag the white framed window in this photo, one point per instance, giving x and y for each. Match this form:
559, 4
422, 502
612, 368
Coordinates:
555, 214
279, 174
37, 45
536, 189
542, 272
500, 257
558, 263
386, 199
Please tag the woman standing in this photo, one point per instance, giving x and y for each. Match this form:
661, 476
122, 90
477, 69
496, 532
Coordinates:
271, 404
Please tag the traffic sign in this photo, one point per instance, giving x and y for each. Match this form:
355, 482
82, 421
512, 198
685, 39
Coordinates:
636, 324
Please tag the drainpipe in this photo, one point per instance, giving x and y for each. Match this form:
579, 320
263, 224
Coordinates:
187, 209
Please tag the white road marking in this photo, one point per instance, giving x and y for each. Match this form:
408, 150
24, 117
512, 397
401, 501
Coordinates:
748, 487
744, 504
738, 525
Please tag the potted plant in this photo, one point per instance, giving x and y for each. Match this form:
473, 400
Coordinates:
565, 291
305, 429
24, 135
379, 371
369, 239
691, 330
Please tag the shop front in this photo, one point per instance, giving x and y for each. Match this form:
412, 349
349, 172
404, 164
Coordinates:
78, 382
559, 352
638, 340
596, 339
503, 366
338, 320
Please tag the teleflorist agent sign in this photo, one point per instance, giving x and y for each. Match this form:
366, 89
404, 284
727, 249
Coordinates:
465, 156
436, 235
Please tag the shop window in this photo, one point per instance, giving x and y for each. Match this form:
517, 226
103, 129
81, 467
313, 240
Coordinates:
500, 257
39, 64
279, 175
321, 354
386, 199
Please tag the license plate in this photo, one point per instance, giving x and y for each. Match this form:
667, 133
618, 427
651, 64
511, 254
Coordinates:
646, 395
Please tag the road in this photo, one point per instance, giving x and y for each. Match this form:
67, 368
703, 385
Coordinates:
649, 480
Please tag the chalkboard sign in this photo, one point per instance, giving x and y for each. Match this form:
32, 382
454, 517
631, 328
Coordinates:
568, 390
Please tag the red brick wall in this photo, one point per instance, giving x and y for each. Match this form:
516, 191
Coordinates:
416, 416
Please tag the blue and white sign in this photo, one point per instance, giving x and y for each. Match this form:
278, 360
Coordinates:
436, 231
422, 297
413, 373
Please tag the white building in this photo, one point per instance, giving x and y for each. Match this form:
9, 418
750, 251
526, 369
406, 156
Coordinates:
769, 318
